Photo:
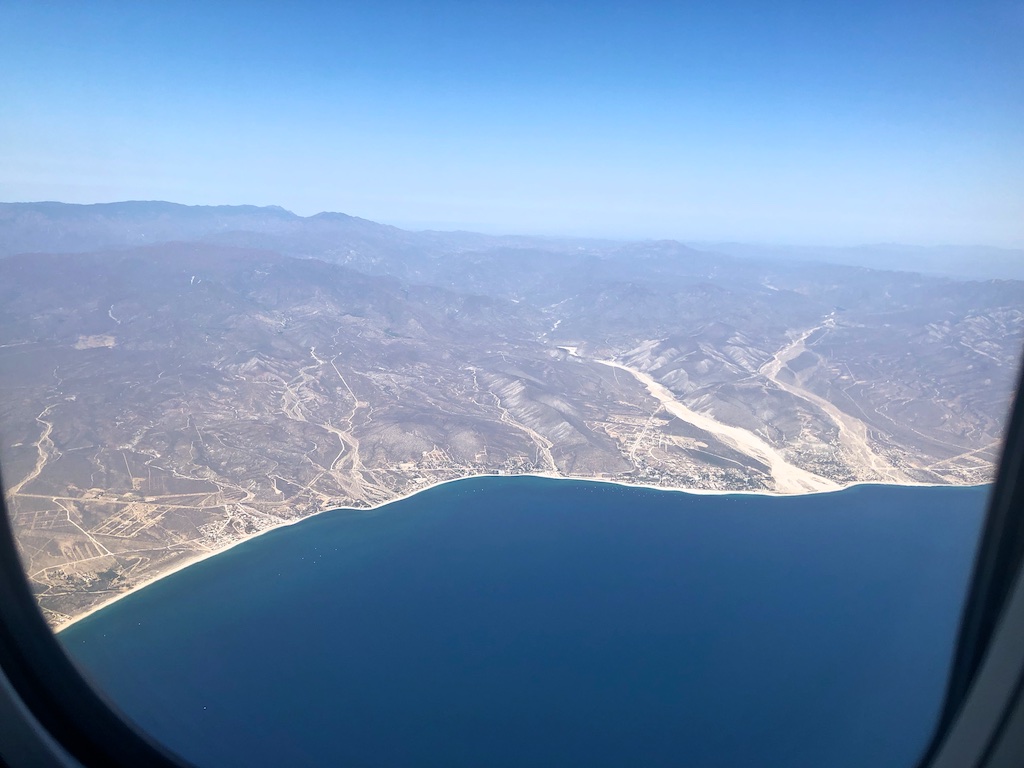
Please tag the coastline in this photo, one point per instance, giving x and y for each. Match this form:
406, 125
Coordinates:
546, 475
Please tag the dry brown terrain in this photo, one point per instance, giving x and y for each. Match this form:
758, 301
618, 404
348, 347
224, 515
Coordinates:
162, 403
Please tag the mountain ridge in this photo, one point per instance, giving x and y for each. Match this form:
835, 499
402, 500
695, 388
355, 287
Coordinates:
117, 225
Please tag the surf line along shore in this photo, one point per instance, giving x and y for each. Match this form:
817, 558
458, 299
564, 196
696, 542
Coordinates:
464, 478
788, 477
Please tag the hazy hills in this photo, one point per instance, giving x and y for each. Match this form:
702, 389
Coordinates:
60, 227
163, 399
969, 262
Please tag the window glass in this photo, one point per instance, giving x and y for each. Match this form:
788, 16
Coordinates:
546, 384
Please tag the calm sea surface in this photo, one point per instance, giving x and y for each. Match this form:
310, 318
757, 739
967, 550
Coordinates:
534, 622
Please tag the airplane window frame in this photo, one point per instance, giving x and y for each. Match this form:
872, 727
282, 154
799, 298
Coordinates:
59, 710
997, 583
61, 704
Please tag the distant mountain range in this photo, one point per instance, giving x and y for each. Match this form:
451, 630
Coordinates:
60, 227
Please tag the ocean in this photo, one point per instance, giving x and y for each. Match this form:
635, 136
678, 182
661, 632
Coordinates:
524, 621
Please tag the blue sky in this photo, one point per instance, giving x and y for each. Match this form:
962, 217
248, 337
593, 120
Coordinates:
778, 122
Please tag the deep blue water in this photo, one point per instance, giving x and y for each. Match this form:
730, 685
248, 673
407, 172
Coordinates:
534, 622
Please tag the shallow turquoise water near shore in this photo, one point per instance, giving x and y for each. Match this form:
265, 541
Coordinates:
528, 621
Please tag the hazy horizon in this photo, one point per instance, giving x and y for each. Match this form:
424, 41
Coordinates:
557, 235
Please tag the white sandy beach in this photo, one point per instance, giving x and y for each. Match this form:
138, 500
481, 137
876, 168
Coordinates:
199, 557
